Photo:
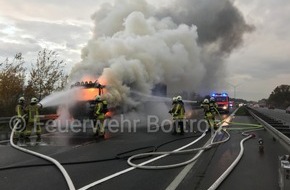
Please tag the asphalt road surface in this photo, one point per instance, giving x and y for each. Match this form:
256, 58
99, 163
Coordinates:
255, 171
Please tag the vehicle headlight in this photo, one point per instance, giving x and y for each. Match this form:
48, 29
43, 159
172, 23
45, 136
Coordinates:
225, 107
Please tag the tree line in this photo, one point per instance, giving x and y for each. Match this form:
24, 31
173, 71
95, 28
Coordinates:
38, 79
280, 97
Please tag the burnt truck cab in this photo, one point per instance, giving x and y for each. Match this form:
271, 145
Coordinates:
85, 103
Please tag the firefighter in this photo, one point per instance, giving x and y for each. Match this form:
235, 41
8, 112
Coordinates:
213, 108
207, 113
33, 119
20, 112
172, 111
174, 104
100, 111
179, 115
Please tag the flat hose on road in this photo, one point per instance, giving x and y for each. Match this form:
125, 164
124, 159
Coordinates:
122, 155
129, 161
217, 183
55, 162
201, 149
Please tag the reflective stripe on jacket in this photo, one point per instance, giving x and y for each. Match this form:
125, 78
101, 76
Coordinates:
179, 111
99, 110
33, 112
19, 110
213, 106
206, 107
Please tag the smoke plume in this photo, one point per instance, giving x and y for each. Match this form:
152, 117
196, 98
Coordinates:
136, 46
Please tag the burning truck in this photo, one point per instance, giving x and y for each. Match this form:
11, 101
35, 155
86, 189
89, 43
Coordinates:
85, 103
86, 92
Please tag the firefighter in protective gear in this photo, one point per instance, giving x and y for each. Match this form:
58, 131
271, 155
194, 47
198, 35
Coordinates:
20, 112
174, 104
33, 118
179, 116
207, 113
213, 107
172, 111
100, 111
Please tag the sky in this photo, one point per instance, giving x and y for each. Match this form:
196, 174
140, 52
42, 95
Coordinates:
253, 69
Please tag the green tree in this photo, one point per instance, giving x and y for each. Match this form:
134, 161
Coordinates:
12, 78
280, 97
47, 74
29, 91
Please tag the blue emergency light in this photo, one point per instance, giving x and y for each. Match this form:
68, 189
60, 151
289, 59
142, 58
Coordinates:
218, 94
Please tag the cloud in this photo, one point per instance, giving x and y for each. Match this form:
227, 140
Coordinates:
29, 37
56, 32
29, 26
265, 58
52, 9
10, 49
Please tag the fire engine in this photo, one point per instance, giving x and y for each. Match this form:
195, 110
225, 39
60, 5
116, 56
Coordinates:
222, 100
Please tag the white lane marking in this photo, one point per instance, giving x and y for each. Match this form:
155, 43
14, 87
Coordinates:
132, 168
179, 178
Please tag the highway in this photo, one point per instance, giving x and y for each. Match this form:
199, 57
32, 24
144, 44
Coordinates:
255, 170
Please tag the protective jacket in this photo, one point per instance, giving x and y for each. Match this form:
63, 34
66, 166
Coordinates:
213, 106
100, 109
20, 110
179, 112
33, 112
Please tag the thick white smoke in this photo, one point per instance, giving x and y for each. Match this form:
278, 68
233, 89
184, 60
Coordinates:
142, 52
134, 48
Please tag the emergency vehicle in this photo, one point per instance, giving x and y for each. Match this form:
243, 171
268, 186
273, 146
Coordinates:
222, 100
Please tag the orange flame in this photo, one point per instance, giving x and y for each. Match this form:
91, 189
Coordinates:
88, 78
86, 94
102, 80
109, 114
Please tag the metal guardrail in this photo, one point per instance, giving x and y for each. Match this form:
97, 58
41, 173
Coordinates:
280, 137
4, 120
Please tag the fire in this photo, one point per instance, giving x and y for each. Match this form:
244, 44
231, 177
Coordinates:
89, 78
109, 114
102, 80
87, 94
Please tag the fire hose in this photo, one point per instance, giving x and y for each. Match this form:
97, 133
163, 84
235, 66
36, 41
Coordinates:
224, 175
255, 127
55, 162
216, 184
119, 156
201, 149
